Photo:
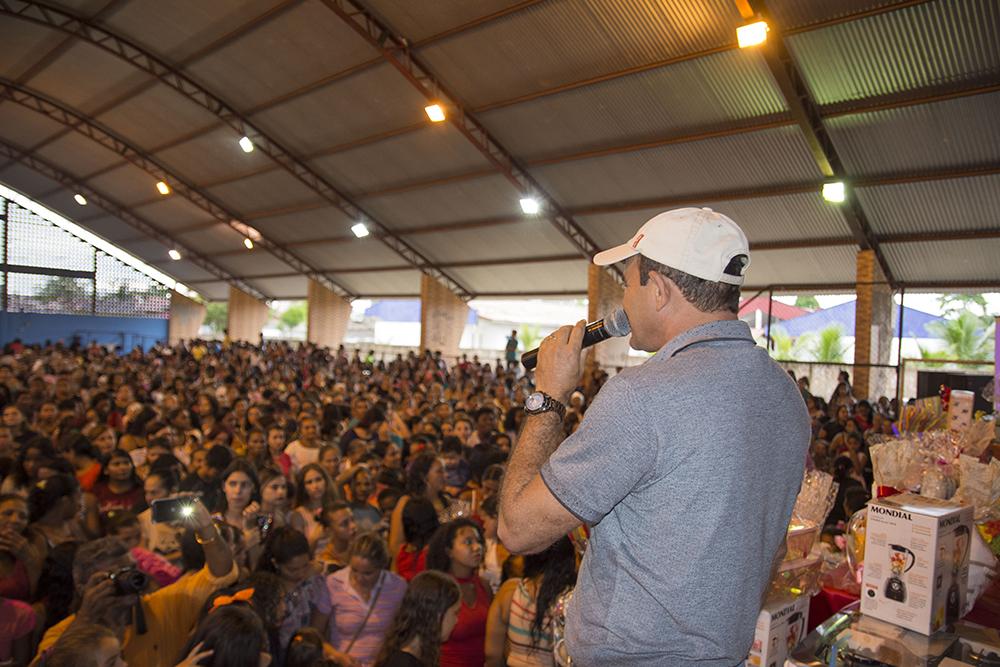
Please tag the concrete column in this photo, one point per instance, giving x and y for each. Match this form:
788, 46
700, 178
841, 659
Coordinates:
247, 316
186, 317
328, 316
604, 296
872, 321
442, 318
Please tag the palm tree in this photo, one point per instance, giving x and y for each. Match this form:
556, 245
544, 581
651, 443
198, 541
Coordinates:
965, 337
786, 348
828, 346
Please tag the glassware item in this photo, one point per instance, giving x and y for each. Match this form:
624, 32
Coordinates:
855, 542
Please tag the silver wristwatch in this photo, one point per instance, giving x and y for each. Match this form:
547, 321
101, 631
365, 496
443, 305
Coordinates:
539, 402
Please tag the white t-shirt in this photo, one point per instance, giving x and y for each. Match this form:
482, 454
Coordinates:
301, 455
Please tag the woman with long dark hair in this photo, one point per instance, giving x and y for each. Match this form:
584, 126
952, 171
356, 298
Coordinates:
519, 627
457, 549
229, 636
119, 486
424, 479
314, 494
426, 617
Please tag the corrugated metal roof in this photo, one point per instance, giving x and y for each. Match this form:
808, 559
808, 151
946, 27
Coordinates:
78, 155
251, 263
312, 42
184, 270
218, 291
487, 197
737, 162
945, 260
795, 13
154, 114
943, 135
434, 151
355, 107
126, 184
547, 277
275, 189
381, 282
928, 44
836, 264
217, 238
557, 42
307, 225
171, 213
779, 218
21, 46
535, 237
419, 20
354, 254
689, 96
31, 127
283, 288
950, 205
83, 75
228, 159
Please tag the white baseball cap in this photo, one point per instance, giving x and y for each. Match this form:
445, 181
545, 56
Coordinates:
697, 241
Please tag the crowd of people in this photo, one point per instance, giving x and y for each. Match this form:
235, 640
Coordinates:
222, 504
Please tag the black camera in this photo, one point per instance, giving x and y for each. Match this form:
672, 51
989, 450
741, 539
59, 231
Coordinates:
129, 581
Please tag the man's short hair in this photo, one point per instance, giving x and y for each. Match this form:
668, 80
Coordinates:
219, 457
705, 295
94, 554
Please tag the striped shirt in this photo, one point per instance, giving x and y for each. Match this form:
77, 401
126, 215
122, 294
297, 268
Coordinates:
349, 611
522, 616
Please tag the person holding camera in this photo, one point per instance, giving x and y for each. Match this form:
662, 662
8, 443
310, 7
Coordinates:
155, 626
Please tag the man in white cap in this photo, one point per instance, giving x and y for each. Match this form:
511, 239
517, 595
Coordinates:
685, 467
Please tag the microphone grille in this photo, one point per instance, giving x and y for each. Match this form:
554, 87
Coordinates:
617, 323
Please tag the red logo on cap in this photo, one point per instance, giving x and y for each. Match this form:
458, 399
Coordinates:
635, 244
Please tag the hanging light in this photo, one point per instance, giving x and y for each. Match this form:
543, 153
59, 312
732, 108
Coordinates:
530, 205
246, 144
834, 192
80, 199
751, 34
248, 243
174, 254
163, 188
360, 230
435, 112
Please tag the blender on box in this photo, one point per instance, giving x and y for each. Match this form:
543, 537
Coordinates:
901, 561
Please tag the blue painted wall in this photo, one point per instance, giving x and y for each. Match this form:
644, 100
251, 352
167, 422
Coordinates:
126, 332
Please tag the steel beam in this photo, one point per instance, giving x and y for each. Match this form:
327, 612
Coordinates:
171, 76
105, 137
119, 211
397, 50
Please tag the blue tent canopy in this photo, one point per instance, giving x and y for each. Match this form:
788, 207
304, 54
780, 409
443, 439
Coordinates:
914, 321
404, 310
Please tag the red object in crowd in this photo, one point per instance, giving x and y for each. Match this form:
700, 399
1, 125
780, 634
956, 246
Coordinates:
409, 564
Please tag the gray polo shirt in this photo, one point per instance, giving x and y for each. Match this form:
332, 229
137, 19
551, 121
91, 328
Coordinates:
687, 467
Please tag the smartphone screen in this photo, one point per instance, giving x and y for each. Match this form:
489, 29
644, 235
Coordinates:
167, 510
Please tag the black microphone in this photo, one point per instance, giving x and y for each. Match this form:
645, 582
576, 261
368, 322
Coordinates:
614, 325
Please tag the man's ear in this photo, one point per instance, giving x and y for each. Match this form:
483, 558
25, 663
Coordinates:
664, 289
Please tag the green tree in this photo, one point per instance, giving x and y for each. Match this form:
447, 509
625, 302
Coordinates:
293, 316
966, 337
787, 348
63, 289
954, 305
806, 301
529, 335
828, 346
217, 316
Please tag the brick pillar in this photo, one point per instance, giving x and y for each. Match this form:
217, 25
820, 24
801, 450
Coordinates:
329, 314
186, 317
247, 316
872, 321
604, 296
442, 318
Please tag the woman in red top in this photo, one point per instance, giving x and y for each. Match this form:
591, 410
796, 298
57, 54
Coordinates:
118, 487
419, 523
457, 549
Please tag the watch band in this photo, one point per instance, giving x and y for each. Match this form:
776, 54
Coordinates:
549, 405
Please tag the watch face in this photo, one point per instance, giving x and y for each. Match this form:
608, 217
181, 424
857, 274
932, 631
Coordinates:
534, 401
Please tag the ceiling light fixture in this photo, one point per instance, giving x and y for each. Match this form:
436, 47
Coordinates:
360, 230
435, 112
163, 188
834, 192
530, 205
174, 254
80, 199
752, 34
248, 243
246, 144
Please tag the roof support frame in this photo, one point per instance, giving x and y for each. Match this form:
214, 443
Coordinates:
120, 212
171, 76
397, 51
105, 137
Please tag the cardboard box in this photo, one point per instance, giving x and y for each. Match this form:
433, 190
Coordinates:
960, 409
780, 627
916, 561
